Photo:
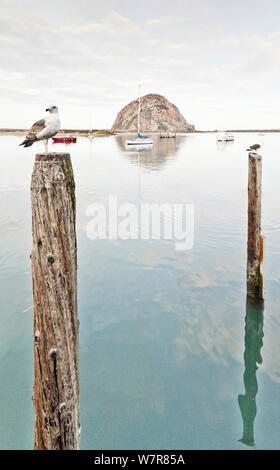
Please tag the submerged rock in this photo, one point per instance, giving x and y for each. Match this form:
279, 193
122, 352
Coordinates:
157, 114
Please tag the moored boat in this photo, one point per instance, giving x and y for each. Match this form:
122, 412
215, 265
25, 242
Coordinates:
225, 137
141, 139
69, 139
167, 135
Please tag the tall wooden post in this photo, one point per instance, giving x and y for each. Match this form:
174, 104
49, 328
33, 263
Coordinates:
255, 285
56, 324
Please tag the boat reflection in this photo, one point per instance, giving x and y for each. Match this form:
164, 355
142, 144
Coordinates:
222, 146
252, 358
155, 156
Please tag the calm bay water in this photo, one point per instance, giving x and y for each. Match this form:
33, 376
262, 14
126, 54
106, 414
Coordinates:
162, 333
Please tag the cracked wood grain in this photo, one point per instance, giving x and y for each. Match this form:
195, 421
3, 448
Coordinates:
56, 325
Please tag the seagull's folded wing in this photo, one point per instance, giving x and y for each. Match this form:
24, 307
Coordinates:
37, 127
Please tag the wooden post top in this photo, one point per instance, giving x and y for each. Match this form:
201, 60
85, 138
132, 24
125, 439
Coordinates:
51, 156
255, 155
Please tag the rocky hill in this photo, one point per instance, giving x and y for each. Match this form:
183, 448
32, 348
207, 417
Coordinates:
157, 114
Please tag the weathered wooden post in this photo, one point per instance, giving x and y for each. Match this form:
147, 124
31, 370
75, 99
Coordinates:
255, 284
56, 324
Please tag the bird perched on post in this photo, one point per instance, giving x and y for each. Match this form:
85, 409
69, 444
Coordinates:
253, 148
44, 129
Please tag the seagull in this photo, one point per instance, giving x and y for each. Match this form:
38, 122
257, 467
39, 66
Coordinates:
44, 129
254, 147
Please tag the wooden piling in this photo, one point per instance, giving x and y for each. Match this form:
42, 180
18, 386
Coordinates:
255, 285
56, 324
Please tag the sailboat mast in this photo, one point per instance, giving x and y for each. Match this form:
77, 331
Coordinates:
139, 108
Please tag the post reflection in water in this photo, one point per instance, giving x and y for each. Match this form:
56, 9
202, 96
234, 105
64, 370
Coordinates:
252, 358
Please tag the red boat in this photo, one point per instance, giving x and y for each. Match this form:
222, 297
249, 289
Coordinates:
65, 140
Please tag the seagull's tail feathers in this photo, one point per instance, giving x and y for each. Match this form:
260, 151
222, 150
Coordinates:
27, 142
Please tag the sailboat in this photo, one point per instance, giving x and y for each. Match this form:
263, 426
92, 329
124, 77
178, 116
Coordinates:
90, 132
141, 139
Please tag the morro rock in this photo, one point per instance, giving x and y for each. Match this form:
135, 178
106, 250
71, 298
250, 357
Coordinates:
157, 114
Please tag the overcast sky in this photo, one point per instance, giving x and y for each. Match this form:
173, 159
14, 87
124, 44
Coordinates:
217, 60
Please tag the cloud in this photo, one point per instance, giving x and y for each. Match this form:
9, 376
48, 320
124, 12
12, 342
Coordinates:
184, 47
113, 24
227, 42
6, 39
164, 62
164, 21
97, 53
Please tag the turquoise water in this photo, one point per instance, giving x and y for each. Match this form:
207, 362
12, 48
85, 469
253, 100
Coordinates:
162, 333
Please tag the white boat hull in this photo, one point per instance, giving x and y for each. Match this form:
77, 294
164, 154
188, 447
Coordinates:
225, 138
139, 142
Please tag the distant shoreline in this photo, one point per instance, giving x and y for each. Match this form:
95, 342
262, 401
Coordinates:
81, 132
239, 130
107, 132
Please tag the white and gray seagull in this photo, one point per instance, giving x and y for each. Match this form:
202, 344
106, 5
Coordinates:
44, 129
